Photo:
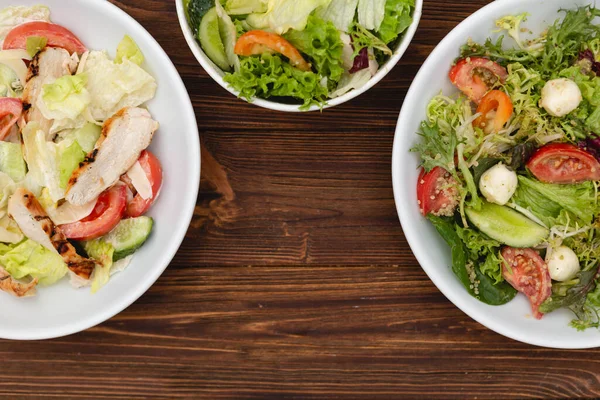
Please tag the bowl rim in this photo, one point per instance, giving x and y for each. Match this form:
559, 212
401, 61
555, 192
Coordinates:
399, 154
188, 203
217, 75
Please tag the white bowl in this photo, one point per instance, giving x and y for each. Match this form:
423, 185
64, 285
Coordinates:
61, 310
217, 74
513, 319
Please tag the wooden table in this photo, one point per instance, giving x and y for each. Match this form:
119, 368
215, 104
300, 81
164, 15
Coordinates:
295, 280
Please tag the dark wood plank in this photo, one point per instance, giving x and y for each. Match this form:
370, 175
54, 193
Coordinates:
295, 280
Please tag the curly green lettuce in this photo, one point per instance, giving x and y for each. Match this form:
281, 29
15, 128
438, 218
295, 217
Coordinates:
268, 75
397, 18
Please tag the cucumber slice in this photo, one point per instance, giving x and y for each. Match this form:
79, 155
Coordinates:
129, 235
210, 39
507, 225
11, 161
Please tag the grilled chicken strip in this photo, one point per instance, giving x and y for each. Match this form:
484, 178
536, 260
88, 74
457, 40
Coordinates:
47, 66
24, 208
14, 287
123, 138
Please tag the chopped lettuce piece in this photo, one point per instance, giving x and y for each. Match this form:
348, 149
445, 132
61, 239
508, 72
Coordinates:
340, 12
17, 15
245, 7
69, 158
7, 188
65, 98
87, 136
11, 161
114, 86
128, 49
283, 15
371, 13
268, 75
351, 81
10, 84
397, 19
29, 258
102, 252
41, 158
35, 44
364, 38
321, 41
9, 230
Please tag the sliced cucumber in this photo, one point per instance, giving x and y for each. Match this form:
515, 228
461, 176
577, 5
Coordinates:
210, 39
129, 235
507, 225
11, 161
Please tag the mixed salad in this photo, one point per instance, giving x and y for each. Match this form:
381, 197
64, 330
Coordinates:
75, 176
510, 166
305, 51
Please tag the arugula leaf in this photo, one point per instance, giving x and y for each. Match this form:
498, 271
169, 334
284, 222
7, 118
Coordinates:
576, 296
436, 150
520, 154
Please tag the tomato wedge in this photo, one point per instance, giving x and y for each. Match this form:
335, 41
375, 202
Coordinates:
151, 166
527, 272
258, 42
10, 112
475, 76
495, 109
563, 163
57, 36
106, 215
437, 192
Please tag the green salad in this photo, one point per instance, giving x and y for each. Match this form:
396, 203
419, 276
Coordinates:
300, 52
510, 168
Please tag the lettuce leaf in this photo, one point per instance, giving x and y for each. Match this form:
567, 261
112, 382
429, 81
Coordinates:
29, 258
65, 99
321, 41
340, 12
350, 81
482, 248
10, 83
35, 44
113, 86
245, 7
128, 49
11, 161
397, 19
269, 76
102, 252
283, 15
371, 13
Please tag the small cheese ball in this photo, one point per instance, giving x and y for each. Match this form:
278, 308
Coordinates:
560, 97
563, 264
498, 184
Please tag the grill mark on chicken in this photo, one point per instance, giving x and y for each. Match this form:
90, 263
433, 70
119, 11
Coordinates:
81, 266
26, 106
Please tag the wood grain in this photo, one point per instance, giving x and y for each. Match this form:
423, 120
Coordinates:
295, 280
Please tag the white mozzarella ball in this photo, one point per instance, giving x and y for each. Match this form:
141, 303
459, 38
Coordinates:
563, 263
560, 97
498, 184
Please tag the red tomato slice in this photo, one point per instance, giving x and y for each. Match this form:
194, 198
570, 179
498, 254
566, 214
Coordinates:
495, 109
257, 42
153, 170
563, 163
527, 272
10, 112
437, 192
474, 76
106, 215
57, 36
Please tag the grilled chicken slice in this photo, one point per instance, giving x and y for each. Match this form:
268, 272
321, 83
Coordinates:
24, 208
123, 138
14, 287
47, 66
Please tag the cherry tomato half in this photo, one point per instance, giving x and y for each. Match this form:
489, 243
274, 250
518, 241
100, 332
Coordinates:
105, 216
475, 76
495, 109
151, 166
57, 36
257, 42
527, 272
437, 192
563, 163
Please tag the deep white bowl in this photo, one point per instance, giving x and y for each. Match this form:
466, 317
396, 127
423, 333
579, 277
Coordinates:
61, 310
513, 319
217, 74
